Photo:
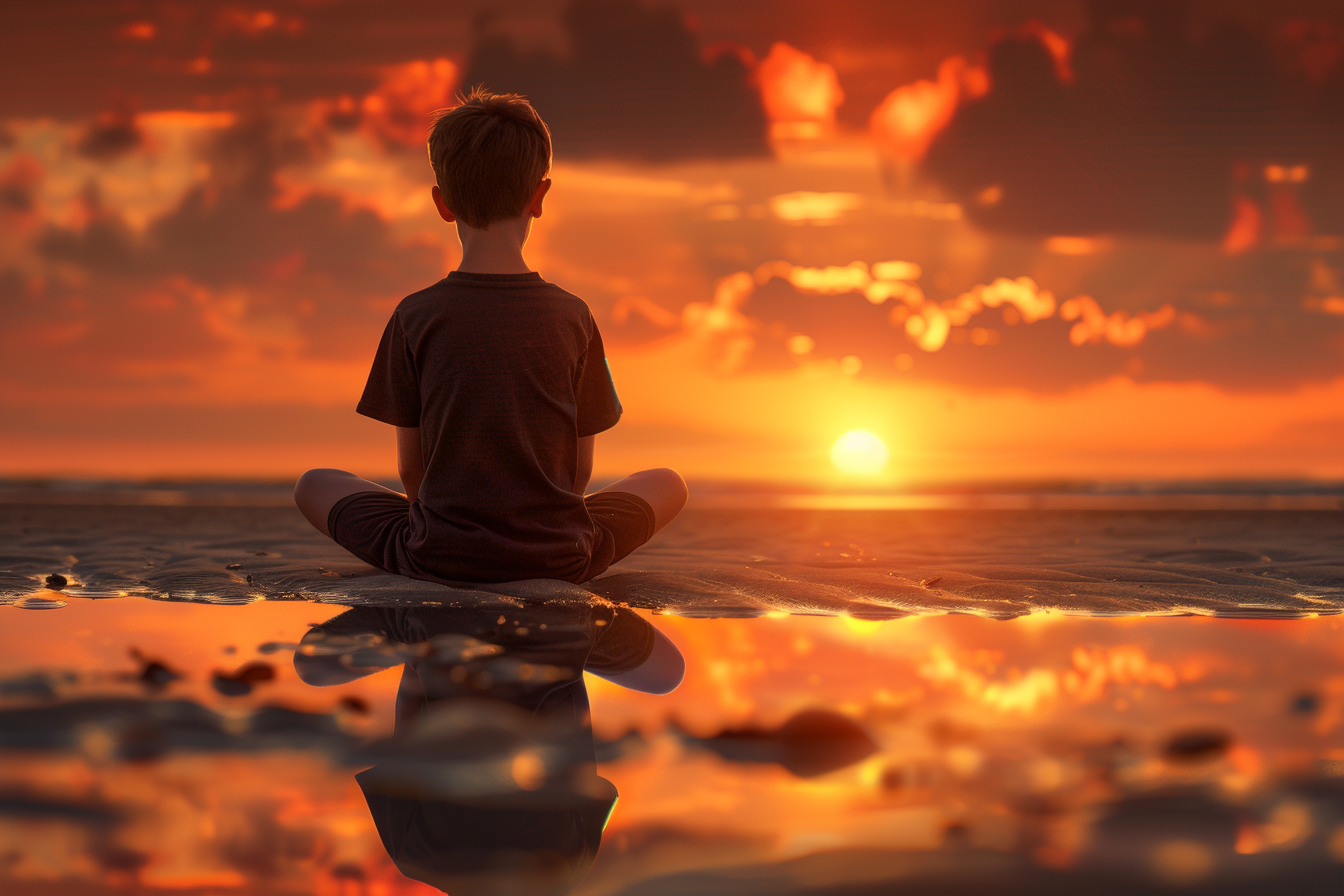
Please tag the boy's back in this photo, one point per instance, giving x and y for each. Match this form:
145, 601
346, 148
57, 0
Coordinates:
497, 383
502, 373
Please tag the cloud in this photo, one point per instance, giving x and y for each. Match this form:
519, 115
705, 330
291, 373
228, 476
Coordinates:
797, 89
1155, 131
878, 320
910, 117
398, 111
807, 207
235, 293
231, 230
634, 85
64, 59
18, 181
112, 135
924, 323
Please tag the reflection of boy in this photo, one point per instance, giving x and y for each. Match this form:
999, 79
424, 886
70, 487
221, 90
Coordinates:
497, 384
447, 807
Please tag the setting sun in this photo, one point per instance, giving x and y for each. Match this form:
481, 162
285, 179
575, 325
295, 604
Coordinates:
860, 453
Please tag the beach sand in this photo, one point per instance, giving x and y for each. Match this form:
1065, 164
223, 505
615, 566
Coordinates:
743, 562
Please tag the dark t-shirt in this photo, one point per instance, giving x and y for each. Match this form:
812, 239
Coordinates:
503, 373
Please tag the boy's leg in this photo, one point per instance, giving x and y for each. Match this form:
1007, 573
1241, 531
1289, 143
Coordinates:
317, 491
664, 489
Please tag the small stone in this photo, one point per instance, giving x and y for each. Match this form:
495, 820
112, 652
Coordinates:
241, 682
1197, 745
234, 566
1306, 703
56, 581
154, 674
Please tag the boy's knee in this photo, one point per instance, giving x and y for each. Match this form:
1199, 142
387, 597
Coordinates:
309, 483
677, 485
304, 485
671, 487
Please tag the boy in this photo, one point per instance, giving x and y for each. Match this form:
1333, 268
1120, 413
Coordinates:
497, 384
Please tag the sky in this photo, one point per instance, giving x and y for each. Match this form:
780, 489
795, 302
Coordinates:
1036, 240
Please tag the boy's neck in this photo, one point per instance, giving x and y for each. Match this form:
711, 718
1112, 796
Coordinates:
498, 249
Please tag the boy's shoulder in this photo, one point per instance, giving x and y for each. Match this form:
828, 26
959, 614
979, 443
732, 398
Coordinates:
439, 298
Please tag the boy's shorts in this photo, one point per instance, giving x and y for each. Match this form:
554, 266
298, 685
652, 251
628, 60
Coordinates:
366, 523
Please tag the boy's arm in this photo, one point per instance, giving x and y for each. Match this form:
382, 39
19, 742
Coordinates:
584, 470
410, 460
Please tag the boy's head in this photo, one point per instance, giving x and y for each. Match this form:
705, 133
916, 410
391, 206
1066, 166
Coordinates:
489, 155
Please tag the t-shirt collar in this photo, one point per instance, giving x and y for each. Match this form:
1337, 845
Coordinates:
461, 276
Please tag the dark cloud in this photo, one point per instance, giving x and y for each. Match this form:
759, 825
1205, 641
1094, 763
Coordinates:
229, 230
230, 269
69, 57
1158, 132
112, 135
634, 84
17, 181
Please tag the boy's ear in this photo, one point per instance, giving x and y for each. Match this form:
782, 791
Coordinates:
534, 208
444, 212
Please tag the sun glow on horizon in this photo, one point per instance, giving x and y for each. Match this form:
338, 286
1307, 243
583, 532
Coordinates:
860, 453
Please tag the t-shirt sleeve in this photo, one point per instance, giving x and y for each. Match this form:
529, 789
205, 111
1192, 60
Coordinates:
599, 408
392, 393
623, 644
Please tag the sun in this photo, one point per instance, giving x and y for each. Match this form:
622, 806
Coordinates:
859, 453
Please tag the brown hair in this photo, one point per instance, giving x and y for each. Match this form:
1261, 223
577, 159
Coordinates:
489, 154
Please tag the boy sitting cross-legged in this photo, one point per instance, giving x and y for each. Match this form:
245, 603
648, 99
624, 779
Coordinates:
497, 384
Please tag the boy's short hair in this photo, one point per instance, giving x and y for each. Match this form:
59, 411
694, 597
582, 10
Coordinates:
489, 154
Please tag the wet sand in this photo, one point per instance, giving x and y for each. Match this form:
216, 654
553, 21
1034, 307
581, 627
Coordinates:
735, 562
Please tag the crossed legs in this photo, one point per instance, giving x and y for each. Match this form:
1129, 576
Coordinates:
664, 489
317, 491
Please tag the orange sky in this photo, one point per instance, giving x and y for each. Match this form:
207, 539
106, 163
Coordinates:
204, 300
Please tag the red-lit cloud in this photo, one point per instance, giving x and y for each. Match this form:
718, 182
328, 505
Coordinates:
796, 88
910, 117
399, 109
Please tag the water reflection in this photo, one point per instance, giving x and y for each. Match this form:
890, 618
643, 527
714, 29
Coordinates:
155, 747
489, 783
